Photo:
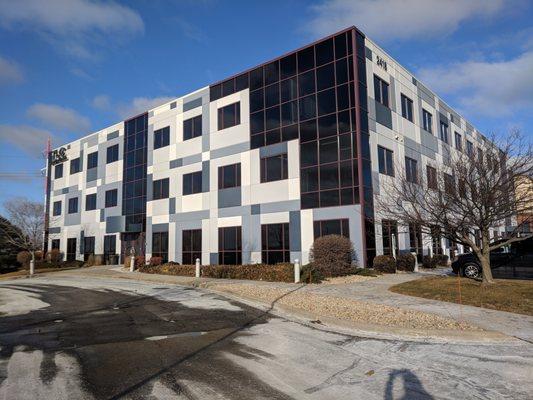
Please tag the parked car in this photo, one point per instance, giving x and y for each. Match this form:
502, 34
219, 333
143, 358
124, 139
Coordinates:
517, 256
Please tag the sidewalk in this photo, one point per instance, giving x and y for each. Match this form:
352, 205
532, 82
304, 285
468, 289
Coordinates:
373, 291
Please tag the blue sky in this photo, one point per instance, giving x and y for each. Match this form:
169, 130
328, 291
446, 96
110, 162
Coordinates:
72, 67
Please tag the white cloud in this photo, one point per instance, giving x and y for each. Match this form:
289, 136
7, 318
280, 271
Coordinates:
72, 24
191, 31
395, 19
487, 88
10, 72
59, 117
102, 102
141, 104
27, 138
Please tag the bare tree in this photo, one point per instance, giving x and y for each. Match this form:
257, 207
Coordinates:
28, 217
464, 197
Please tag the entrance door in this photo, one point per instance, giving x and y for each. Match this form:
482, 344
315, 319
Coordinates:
134, 240
71, 249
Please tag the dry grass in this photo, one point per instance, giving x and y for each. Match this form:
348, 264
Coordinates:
506, 295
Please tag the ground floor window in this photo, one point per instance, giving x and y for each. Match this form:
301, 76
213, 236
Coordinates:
160, 245
275, 243
230, 245
110, 246
389, 230
71, 249
332, 227
191, 246
88, 247
436, 240
55, 244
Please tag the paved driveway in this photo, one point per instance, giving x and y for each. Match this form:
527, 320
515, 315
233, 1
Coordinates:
84, 337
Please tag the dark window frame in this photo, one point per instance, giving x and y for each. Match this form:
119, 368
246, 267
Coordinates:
194, 186
73, 205
160, 245
271, 254
407, 107
112, 154
189, 249
411, 170
75, 166
319, 227
92, 160
58, 171
283, 168
161, 189
385, 161
90, 202
222, 184
381, 91
111, 198
162, 137
55, 244
236, 120
233, 253
389, 228
444, 132
192, 127
427, 121
431, 176
56, 208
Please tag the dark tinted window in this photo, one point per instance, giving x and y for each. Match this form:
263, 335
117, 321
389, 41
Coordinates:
73, 205
306, 59
229, 176
331, 227
90, 202
57, 208
162, 137
192, 127
326, 102
272, 72
325, 77
160, 245
274, 168
92, 160
427, 120
58, 171
112, 154
389, 231
289, 89
55, 244
230, 245
272, 95
381, 91
411, 171
111, 198
306, 83
160, 189
191, 246
324, 52
229, 116
288, 66
386, 161
75, 166
308, 107
407, 107
275, 243
192, 183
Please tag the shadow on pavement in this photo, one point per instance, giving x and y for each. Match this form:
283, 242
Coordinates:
413, 388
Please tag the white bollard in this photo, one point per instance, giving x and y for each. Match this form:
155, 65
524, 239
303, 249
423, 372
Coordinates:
197, 268
416, 261
296, 271
132, 264
32, 267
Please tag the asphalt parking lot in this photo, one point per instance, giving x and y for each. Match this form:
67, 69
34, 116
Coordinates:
72, 337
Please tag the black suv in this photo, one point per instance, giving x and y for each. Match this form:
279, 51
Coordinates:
511, 261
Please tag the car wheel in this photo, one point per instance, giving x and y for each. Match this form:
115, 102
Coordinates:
472, 271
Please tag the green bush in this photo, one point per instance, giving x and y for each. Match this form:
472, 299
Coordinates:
405, 262
333, 255
385, 264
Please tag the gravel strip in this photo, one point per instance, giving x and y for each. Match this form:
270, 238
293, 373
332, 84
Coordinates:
343, 308
342, 280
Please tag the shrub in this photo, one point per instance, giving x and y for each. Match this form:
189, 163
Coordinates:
24, 258
333, 255
156, 261
405, 262
139, 262
310, 274
441, 260
385, 264
427, 262
366, 272
54, 256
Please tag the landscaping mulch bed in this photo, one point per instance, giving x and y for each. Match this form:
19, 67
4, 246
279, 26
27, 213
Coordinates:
505, 295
